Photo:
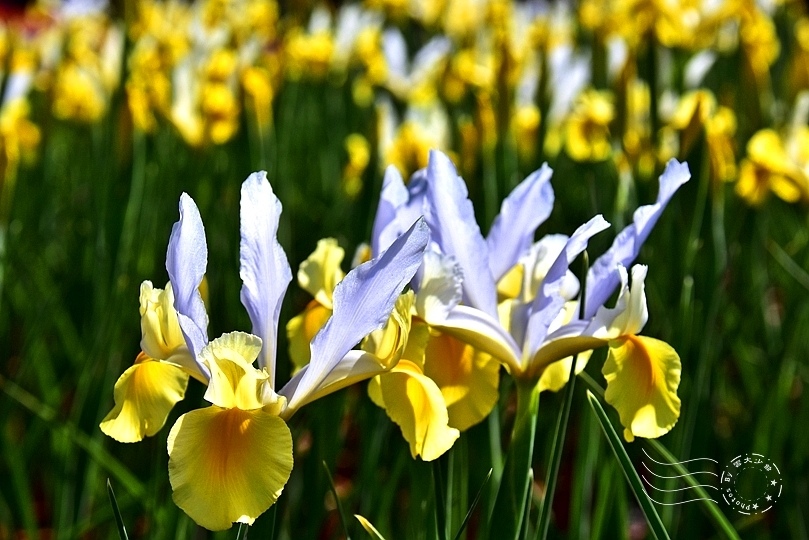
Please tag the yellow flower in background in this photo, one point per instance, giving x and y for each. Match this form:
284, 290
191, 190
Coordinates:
318, 275
768, 167
359, 156
78, 94
147, 391
308, 55
587, 132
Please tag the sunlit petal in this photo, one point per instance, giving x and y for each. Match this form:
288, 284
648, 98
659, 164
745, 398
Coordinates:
603, 276
228, 465
161, 337
525, 209
557, 374
440, 283
415, 404
363, 302
302, 328
453, 227
144, 395
468, 379
630, 313
263, 264
320, 273
234, 381
186, 262
642, 378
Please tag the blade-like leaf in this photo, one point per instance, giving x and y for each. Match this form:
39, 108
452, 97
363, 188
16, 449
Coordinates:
119, 521
337, 500
646, 505
369, 528
473, 506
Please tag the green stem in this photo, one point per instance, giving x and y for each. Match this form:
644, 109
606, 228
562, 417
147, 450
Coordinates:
509, 507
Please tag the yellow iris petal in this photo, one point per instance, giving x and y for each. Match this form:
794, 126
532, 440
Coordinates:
144, 395
414, 402
467, 379
321, 272
302, 328
556, 375
234, 381
228, 465
642, 378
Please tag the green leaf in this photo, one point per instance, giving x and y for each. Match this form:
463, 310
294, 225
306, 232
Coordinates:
646, 505
337, 501
119, 521
472, 507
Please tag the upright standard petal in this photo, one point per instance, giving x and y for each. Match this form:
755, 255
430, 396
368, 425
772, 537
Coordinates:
549, 301
363, 302
452, 223
604, 276
186, 262
642, 378
320, 273
263, 266
228, 465
525, 209
393, 196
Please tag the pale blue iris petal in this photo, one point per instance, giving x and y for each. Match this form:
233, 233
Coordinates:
549, 301
363, 301
452, 222
525, 209
393, 196
603, 276
186, 262
263, 264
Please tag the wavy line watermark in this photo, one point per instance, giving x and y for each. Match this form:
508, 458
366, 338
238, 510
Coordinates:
750, 483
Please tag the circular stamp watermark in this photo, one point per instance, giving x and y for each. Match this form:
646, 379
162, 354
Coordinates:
751, 483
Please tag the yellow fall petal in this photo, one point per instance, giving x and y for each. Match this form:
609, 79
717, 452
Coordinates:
556, 375
228, 465
467, 378
642, 378
302, 328
144, 395
414, 402
321, 272
389, 342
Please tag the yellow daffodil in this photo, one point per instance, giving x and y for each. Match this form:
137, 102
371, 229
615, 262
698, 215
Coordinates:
587, 130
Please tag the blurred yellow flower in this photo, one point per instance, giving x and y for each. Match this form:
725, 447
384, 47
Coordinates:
768, 167
587, 132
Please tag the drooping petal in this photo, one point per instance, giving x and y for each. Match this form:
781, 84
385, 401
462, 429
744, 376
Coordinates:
525, 209
263, 264
234, 381
453, 227
228, 465
414, 402
557, 374
440, 287
468, 379
320, 273
603, 276
642, 378
484, 333
363, 302
144, 396
186, 262
549, 300
382, 349
302, 328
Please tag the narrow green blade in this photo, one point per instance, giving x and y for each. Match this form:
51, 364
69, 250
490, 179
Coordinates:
646, 505
119, 521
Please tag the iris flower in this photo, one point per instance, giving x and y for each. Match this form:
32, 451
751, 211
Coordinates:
531, 323
230, 461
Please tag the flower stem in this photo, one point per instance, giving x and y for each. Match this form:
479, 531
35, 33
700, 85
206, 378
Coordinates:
509, 507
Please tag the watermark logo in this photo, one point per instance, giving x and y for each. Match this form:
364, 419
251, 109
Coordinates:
750, 483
